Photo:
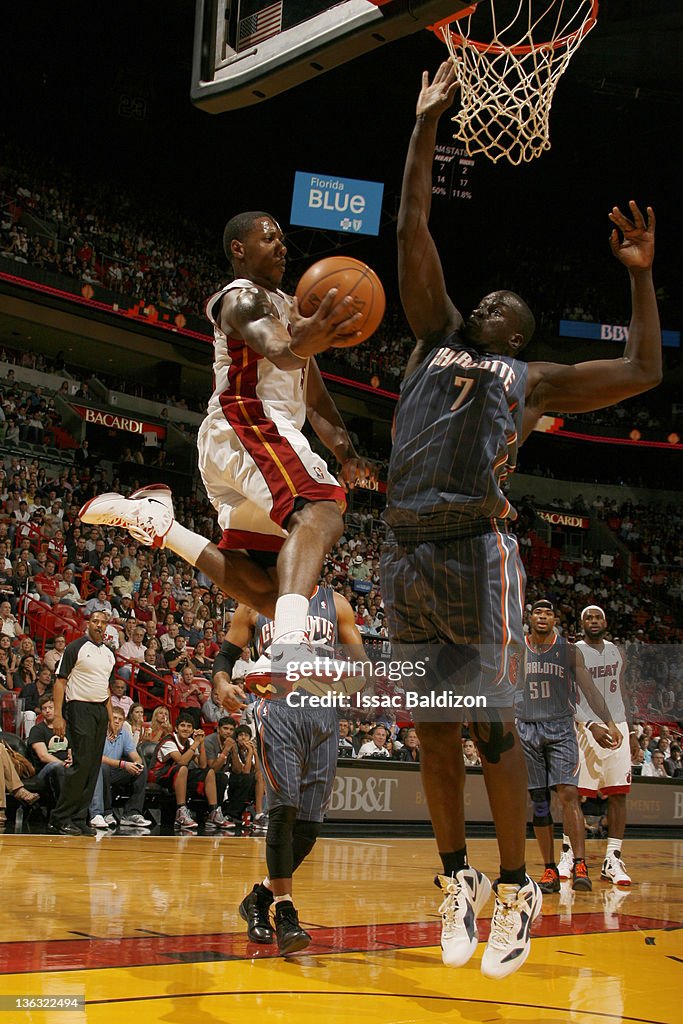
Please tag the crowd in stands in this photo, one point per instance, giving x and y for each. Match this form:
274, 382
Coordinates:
60, 223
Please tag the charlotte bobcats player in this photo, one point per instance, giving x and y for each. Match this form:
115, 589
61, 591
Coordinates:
451, 572
545, 705
604, 768
274, 497
298, 752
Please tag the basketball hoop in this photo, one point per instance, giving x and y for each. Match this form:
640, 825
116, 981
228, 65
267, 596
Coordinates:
507, 84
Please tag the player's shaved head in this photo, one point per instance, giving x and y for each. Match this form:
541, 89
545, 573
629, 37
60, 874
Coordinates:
239, 226
525, 318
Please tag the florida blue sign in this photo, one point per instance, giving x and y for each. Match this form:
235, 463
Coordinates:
336, 204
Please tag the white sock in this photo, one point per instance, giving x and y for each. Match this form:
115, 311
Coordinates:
287, 898
566, 841
266, 883
185, 543
291, 612
613, 846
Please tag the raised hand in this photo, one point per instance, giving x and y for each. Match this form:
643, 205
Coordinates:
633, 243
436, 97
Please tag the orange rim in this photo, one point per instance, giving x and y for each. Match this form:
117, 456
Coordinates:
439, 29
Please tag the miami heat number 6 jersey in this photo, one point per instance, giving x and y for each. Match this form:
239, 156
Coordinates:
605, 668
241, 375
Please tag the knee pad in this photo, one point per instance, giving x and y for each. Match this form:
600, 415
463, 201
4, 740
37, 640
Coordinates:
279, 842
305, 835
541, 801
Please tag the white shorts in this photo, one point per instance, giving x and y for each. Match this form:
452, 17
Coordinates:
606, 770
253, 473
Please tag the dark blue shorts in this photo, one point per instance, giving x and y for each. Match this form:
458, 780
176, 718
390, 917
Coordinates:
298, 752
551, 751
461, 600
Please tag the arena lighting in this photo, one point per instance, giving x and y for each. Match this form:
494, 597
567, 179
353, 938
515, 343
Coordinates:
635, 435
673, 439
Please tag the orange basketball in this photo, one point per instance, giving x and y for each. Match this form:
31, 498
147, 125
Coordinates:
350, 277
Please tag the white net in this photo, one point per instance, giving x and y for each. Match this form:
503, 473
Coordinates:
508, 60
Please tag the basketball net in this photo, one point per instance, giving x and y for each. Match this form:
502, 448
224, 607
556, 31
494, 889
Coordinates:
508, 81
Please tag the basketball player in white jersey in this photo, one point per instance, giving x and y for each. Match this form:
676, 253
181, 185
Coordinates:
601, 768
275, 498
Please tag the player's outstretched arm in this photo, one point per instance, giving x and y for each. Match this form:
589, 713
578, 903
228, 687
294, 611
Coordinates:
429, 310
250, 313
603, 382
326, 421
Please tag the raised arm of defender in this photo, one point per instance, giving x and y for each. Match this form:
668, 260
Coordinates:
429, 310
603, 382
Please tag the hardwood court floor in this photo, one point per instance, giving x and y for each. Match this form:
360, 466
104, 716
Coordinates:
146, 929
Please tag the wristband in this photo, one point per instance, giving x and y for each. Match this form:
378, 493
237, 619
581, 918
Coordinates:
121, 764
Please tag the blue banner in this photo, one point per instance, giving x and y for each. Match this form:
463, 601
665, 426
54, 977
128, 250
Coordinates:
336, 204
610, 332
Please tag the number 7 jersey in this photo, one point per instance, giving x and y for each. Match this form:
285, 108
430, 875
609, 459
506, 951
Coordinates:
456, 438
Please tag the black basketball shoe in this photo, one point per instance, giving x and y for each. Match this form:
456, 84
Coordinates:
291, 937
254, 909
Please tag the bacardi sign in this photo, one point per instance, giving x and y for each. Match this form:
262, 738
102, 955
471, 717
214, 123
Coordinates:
565, 519
114, 421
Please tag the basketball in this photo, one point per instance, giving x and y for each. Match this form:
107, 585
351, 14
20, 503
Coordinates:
351, 277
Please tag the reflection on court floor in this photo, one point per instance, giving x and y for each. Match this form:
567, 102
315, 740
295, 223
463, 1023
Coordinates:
149, 926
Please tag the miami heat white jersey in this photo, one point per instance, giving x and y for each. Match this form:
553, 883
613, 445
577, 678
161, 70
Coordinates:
605, 668
240, 374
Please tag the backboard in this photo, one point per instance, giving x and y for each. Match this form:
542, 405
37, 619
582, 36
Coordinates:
248, 50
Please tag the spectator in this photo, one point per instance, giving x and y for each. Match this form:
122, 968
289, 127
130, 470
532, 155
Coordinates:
191, 692
181, 765
11, 783
135, 723
410, 751
160, 724
212, 709
133, 650
657, 767
243, 665
122, 768
471, 754
50, 753
118, 697
376, 746
199, 661
52, 658
67, 592
9, 625
363, 733
345, 744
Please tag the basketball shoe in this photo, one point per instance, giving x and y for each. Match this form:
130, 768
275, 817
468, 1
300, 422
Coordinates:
564, 868
255, 910
291, 937
509, 945
147, 514
293, 663
614, 870
580, 878
465, 894
549, 881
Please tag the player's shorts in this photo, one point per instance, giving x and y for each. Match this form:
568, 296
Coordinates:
298, 753
461, 601
551, 752
601, 769
254, 470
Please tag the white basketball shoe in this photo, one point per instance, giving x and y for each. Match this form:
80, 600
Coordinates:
465, 895
614, 870
147, 515
516, 908
564, 868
